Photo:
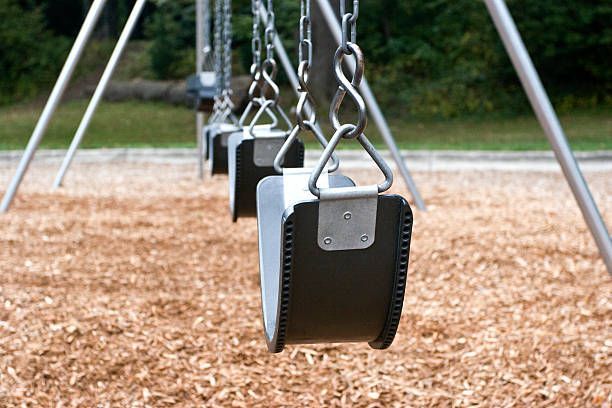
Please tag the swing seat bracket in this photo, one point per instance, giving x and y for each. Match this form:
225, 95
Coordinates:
265, 150
347, 218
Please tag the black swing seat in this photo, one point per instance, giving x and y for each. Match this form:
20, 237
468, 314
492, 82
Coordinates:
218, 136
211, 128
203, 88
323, 279
251, 159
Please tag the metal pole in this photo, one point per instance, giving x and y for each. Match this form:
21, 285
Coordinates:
199, 70
550, 123
375, 111
54, 99
99, 93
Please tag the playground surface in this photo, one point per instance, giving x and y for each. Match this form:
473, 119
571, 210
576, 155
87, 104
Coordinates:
131, 287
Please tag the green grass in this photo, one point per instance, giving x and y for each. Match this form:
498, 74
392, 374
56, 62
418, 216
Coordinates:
138, 124
586, 130
133, 124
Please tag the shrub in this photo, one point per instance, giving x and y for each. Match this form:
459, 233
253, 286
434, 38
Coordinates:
30, 57
172, 30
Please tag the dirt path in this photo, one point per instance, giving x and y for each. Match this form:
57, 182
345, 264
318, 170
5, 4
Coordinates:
133, 288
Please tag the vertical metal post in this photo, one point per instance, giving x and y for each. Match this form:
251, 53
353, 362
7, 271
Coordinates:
101, 88
199, 69
375, 111
550, 123
54, 99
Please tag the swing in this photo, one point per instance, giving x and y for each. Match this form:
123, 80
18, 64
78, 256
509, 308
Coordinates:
203, 89
217, 142
333, 264
333, 256
251, 156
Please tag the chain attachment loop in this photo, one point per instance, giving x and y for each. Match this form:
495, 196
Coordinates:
349, 47
351, 87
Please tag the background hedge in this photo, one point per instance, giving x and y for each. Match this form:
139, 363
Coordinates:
425, 57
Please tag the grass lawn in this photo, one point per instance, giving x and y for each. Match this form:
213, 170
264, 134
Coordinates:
138, 124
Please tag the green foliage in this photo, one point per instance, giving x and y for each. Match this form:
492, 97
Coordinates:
424, 57
172, 29
445, 56
30, 58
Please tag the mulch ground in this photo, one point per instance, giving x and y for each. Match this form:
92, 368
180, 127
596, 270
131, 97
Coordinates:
131, 287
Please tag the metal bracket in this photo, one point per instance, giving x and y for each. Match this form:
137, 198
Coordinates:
347, 218
265, 150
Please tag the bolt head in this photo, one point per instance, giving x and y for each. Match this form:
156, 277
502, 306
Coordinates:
364, 238
327, 241
348, 215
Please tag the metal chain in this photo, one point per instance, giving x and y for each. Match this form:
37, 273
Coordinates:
227, 51
269, 67
270, 31
305, 45
305, 51
256, 45
218, 54
349, 47
207, 44
264, 72
306, 106
349, 23
206, 28
256, 41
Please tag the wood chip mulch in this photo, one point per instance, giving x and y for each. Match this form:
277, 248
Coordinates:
133, 288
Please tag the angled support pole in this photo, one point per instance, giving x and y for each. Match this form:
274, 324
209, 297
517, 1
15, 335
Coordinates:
54, 99
374, 108
550, 123
99, 93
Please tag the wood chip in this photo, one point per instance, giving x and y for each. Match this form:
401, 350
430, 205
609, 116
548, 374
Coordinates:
132, 287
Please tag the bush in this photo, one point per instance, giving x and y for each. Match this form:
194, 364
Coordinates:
172, 29
446, 57
30, 57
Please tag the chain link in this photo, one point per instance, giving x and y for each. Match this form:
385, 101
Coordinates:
270, 32
218, 55
206, 28
264, 72
227, 51
349, 24
349, 47
223, 105
256, 50
305, 44
256, 41
305, 51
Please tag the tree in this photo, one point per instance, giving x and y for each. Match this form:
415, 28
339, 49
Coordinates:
32, 57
